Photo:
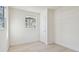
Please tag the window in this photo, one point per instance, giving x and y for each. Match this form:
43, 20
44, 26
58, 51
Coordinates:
1, 17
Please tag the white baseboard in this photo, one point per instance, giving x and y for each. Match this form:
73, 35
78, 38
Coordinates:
66, 46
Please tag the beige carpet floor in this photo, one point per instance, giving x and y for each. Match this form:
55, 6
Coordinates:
38, 47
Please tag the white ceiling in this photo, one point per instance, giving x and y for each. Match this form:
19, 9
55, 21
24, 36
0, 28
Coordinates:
35, 8
50, 7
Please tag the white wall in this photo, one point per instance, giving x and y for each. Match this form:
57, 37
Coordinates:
43, 25
47, 26
67, 27
43, 19
18, 33
4, 41
50, 28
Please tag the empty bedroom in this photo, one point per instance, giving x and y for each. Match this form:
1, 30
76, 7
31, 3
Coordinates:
39, 29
